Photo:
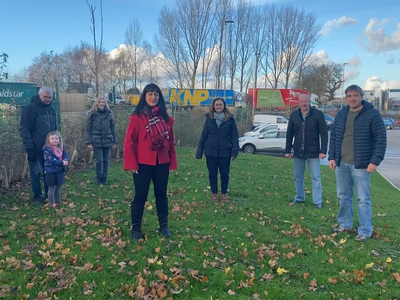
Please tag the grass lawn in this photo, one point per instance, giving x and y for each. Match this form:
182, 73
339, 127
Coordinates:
254, 247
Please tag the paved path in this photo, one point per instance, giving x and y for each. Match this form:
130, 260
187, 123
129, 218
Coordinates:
390, 166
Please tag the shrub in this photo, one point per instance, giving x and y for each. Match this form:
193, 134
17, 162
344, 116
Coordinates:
187, 129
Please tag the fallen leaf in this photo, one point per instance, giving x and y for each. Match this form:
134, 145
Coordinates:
396, 276
280, 271
369, 266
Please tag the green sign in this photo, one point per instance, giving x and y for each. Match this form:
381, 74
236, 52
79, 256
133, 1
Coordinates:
17, 93
269, 98
394, 91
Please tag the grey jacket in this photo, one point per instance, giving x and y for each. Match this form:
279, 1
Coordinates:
100, 129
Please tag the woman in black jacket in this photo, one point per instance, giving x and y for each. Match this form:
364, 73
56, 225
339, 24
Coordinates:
219, 143
101, 137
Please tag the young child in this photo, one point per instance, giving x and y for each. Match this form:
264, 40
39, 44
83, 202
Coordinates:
55, 160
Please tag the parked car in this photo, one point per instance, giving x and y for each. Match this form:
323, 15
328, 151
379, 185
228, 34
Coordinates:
389, 123
329, 120
270, 141
266, 127
260, 119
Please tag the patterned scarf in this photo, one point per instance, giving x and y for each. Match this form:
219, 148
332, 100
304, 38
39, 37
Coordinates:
157, 130
57, 151
219, 118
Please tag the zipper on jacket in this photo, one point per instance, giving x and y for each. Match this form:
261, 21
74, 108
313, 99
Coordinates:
304, 131
48, 118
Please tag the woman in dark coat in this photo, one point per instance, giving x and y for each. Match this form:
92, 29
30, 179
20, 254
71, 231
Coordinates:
101, 137
219, 143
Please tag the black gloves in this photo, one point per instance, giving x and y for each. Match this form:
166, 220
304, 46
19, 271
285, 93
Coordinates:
32, 157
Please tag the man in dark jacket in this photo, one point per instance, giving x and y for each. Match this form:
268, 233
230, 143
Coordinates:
357, 147
37, 120
307, 125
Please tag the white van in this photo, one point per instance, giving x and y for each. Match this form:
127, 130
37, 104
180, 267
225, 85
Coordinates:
266, 127
259, 119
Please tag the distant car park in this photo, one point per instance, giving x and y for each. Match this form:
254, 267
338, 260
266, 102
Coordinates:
266, 127
270, 141
329, 120
389, 123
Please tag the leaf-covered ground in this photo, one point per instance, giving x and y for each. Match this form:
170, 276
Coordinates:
255, 246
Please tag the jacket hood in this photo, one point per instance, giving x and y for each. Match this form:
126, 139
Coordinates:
40, 102
230, 115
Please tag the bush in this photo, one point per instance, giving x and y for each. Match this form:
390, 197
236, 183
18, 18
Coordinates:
13, 163
187, 130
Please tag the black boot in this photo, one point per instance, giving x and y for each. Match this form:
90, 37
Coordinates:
137, 215
104, 179
162, 212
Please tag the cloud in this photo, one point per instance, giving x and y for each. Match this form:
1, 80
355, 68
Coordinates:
318, 58
376, 83
377, 39
337, 23
354, 61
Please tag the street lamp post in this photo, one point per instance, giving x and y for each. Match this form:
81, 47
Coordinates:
225, 22
342, 100
255, 80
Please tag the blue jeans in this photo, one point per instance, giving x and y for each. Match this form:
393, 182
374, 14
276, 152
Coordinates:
347, 178
299, 169
36, 171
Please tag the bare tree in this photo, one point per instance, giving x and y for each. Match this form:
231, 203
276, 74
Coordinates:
245, 14
41, 70
170, 45
322, 80
97, 47
222, 14
75, 74
258, 40
150, 64
194, 26
134, 40
300, 37
271, 63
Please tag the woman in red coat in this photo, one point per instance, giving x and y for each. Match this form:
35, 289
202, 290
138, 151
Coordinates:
150, 154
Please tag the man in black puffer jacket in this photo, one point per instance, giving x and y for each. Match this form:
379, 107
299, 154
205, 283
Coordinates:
37, 120
357, 147
307, 125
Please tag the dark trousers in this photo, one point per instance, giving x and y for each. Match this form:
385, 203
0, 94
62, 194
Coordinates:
223, 164
36, 173
159, 175
102, 155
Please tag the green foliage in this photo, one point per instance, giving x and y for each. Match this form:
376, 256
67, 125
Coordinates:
133, 91
254, 247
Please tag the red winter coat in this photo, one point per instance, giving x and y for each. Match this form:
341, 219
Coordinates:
137, 146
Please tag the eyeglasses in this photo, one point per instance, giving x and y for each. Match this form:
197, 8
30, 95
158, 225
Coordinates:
47, 97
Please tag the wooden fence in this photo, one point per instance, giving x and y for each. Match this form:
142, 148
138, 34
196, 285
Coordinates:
73, 102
